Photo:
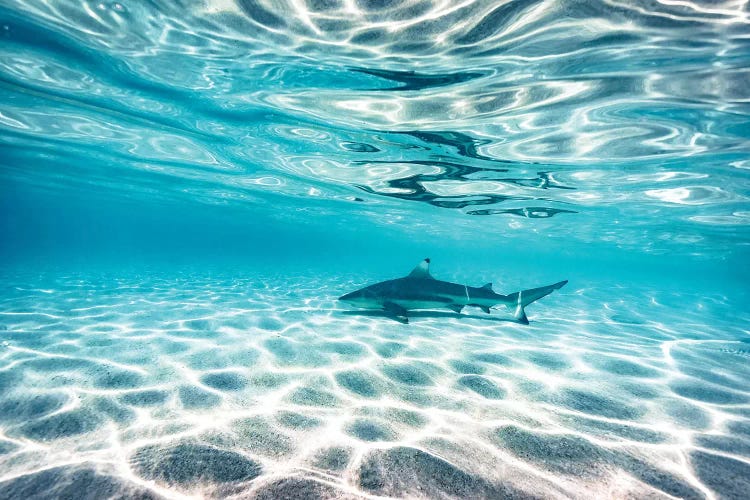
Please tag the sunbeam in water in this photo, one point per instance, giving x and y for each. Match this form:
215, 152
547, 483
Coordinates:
187, 187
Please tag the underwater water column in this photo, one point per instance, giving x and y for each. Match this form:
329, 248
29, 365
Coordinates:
374, 249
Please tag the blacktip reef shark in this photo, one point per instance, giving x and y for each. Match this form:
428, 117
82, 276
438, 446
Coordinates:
419, 290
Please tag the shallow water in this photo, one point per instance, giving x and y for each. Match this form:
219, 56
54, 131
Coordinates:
186, 189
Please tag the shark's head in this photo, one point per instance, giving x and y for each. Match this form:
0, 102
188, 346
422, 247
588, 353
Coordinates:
365, 298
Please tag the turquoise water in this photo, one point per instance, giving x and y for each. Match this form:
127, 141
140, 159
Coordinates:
187, 187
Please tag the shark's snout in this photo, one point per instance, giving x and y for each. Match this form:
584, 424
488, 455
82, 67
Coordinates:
358, 298
349, 297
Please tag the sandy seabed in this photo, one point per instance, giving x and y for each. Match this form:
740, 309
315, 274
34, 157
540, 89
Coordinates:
240, 388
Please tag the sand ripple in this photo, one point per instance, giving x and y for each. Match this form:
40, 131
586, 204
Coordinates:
227, 387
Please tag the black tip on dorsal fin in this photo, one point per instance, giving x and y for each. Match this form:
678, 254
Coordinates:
487, 286
422, 270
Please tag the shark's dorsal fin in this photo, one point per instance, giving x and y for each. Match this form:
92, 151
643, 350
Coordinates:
487, 286
422, 271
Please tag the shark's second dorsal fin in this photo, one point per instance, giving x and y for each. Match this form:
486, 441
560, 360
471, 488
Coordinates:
487, 286
422, 271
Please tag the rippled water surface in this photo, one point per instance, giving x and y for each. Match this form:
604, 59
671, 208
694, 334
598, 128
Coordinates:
636, 112
186, 187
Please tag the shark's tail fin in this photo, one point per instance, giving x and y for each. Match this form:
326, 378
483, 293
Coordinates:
526, 297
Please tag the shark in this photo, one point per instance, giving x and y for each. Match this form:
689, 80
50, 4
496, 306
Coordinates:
420, 290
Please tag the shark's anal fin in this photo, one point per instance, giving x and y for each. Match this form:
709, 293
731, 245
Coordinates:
456, 308
422, 271
395, 311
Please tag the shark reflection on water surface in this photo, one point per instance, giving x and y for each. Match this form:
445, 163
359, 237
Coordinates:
419, 290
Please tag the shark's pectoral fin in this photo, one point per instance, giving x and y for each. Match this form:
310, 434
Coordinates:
456, 308
395, 311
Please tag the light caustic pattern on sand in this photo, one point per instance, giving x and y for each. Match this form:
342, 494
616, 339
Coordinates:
237, 388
